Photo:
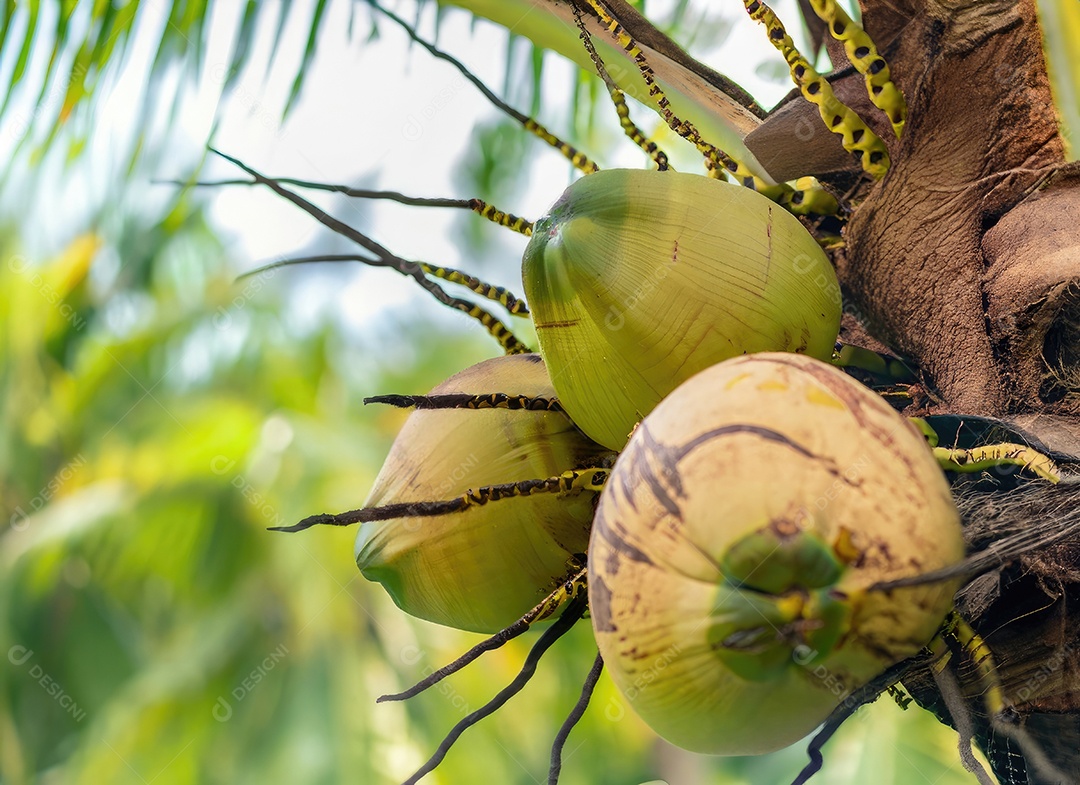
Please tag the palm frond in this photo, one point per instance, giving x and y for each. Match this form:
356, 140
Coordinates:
61, 53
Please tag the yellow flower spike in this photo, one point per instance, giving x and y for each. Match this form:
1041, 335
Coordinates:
984, 457
630, 128
496, 294
637, 280
863, 54
838, 117
809, 198
735, 547
988, 456
718, 162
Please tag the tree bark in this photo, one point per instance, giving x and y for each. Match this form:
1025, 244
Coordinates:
919, 265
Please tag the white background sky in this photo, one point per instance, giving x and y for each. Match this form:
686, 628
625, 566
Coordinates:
376, 113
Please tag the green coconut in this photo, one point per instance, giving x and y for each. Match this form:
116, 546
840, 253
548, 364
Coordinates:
483, 567
637, 280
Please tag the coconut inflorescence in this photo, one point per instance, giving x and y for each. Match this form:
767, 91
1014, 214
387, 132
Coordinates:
736, 543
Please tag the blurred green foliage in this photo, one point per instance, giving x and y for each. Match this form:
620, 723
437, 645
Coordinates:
87, 42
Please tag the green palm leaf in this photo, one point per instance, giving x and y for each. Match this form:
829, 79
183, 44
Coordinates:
86, 44
1061, 28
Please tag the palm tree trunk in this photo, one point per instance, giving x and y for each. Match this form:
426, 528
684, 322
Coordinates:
943, 259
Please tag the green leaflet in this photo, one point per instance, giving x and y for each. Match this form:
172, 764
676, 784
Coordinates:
1061, 39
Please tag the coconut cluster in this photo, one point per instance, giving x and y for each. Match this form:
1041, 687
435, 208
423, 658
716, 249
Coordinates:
758, 496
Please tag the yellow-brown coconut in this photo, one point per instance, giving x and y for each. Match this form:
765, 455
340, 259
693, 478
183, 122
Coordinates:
735, 542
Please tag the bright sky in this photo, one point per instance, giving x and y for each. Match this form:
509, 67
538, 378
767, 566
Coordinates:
373, 113
402, 118
382, 114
